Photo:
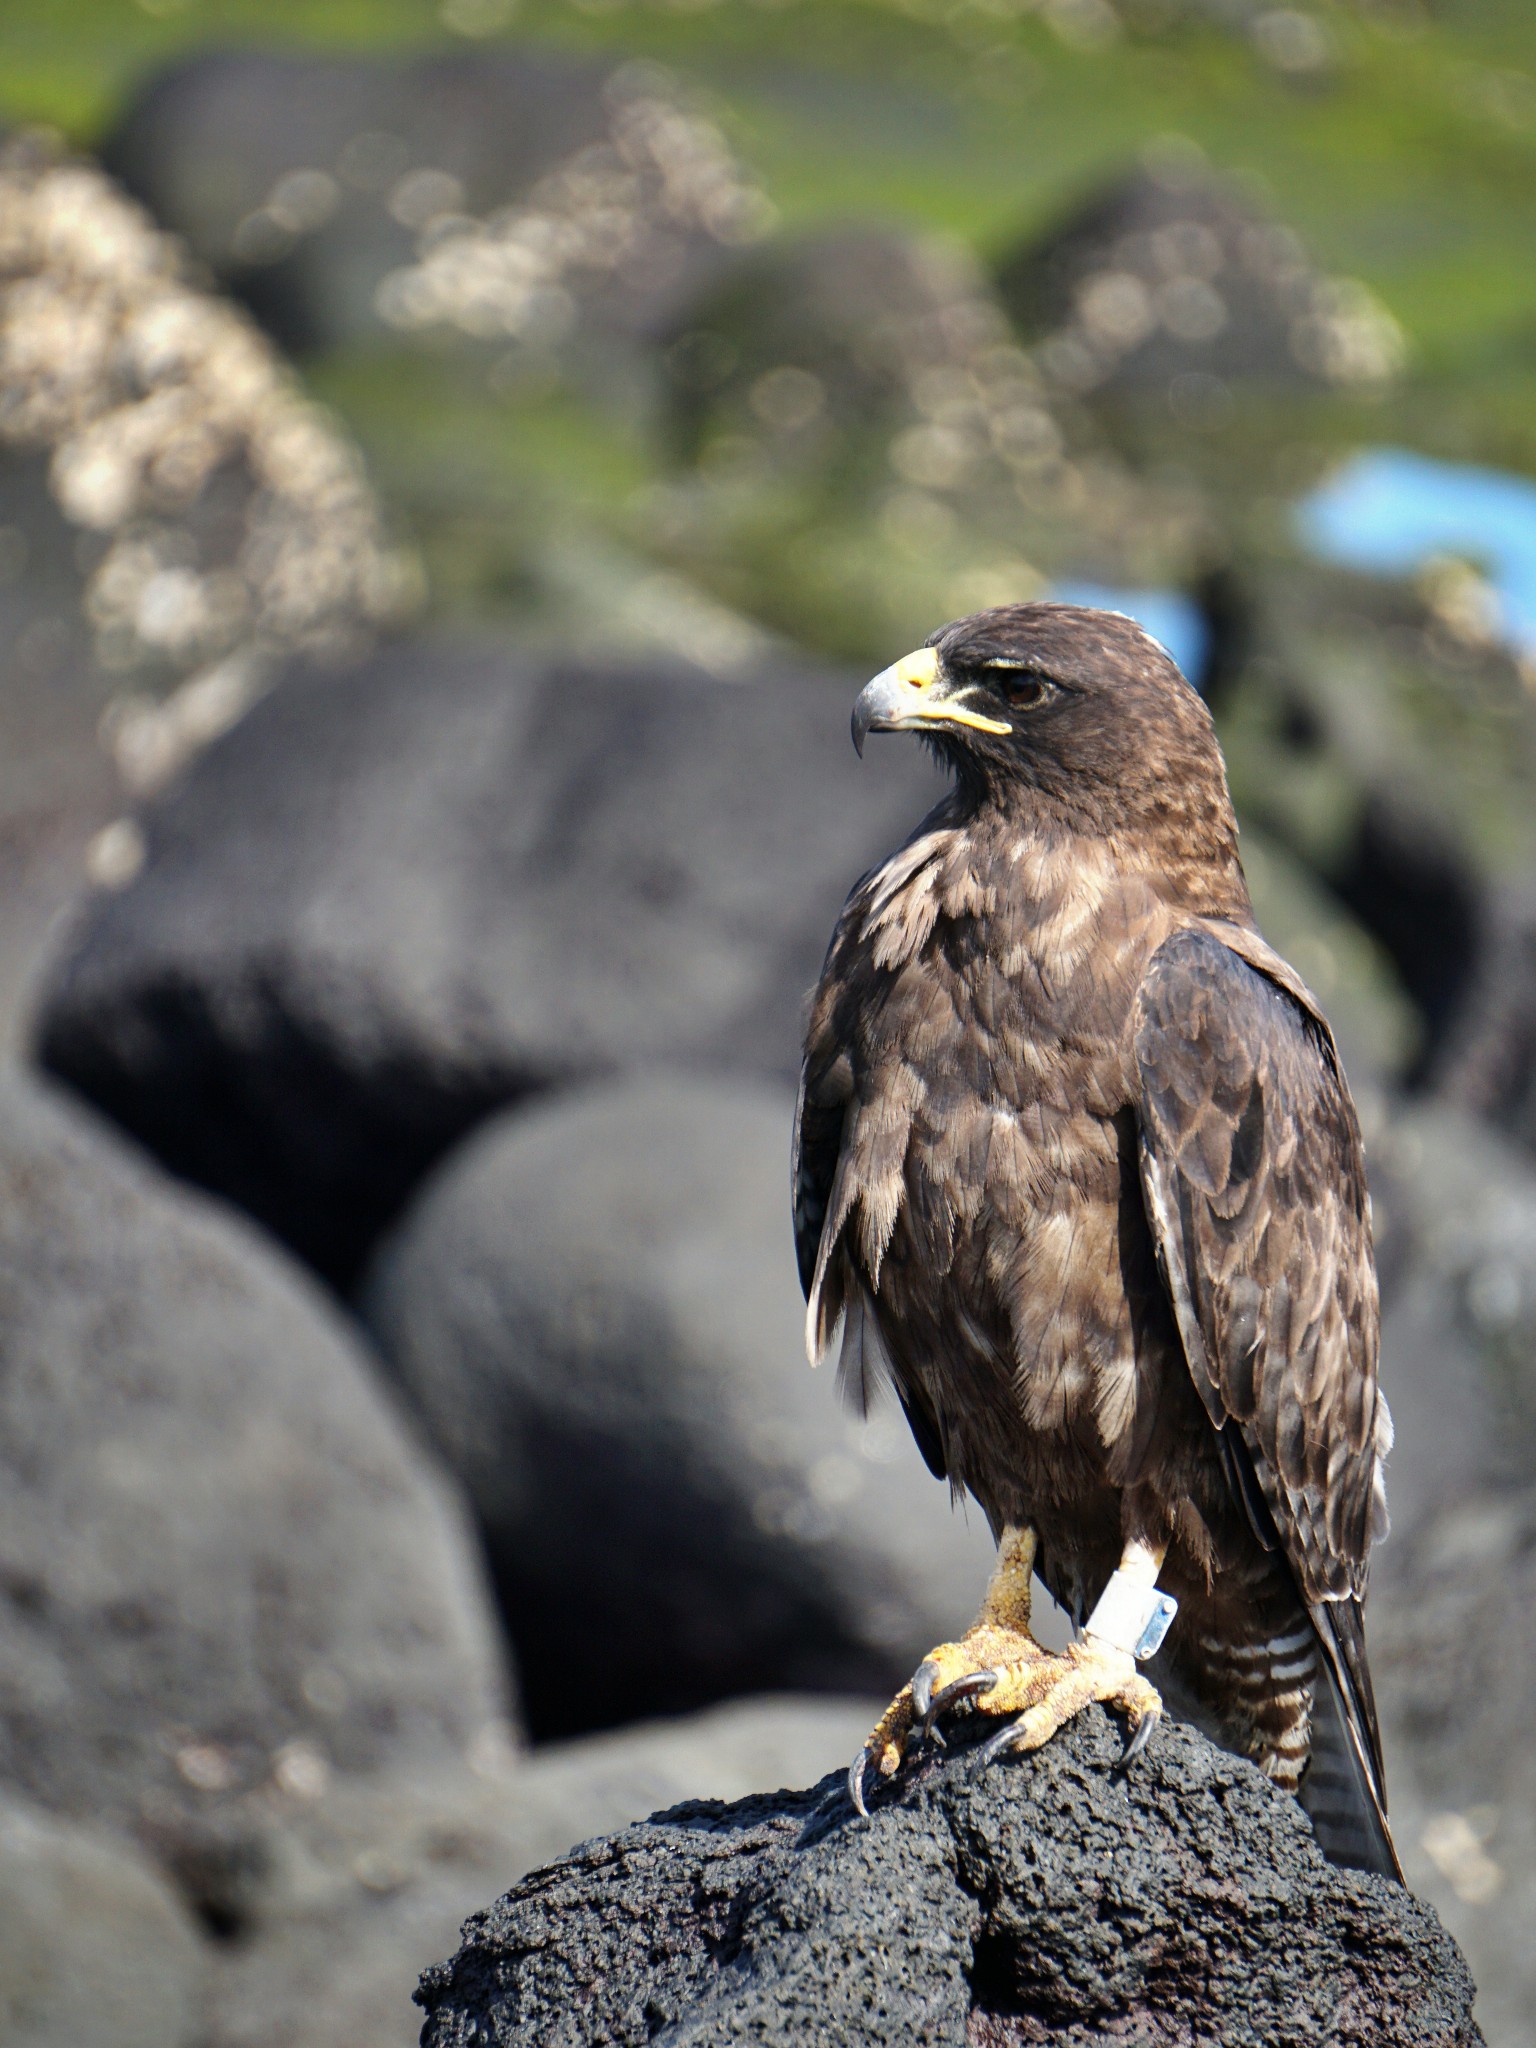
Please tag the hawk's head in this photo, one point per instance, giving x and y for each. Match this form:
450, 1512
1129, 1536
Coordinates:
1054, 700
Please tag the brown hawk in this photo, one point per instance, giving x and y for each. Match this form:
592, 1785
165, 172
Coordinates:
1077, 1172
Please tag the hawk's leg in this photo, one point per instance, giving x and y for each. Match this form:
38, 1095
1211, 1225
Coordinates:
1101, 1665
999, 1665
997, 1644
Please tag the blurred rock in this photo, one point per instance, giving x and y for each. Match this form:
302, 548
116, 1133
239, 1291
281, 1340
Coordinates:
497, 192
1172, 281
594, 1306
208, 143
1486, 1060
1453, 1649
1404, 767
1459, 1338
383, 1875
1408, 878
225, 1568
1453, 1652
58, 791
725, 1752
1388, 744
222, 518
95, 1949
849, 399
801, 340
1043, 1899
395, 898
1378, 1027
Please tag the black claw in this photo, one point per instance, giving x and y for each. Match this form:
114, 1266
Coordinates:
994, 1745
1141, 1735
963, 1688
856, 1772
932, 1705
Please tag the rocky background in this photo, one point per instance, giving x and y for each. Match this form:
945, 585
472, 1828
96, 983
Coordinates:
456, 467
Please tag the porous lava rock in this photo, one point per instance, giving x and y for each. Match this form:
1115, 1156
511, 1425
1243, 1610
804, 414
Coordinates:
399, 896
1042, 1900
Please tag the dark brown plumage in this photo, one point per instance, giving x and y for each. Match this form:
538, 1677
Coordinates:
1077, 1171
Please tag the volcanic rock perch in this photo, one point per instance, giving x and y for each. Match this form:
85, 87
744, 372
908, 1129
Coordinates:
1042, 1899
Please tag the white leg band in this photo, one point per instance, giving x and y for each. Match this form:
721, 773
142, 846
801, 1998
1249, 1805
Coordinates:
1131, 1615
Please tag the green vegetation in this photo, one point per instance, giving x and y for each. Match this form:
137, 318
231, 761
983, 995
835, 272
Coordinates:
1407, 160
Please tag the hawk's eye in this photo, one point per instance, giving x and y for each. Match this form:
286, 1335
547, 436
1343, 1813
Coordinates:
1019, 688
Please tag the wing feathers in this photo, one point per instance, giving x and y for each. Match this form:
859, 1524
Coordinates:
1254, 1181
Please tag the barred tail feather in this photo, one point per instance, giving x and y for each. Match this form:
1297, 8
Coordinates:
1343, 1790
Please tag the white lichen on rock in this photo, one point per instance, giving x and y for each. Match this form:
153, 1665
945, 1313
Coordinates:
236, 521
622, 210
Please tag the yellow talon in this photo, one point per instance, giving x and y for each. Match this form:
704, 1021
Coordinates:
888, 1742
998, 1664
999, 1641
1046, 1697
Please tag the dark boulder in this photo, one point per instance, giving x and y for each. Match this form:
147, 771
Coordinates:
316, 187
1040, 1900
1171, 281
594, 1307
225, 1568
395, 898
208, 143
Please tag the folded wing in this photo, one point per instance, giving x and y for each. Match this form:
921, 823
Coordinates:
1254, 1180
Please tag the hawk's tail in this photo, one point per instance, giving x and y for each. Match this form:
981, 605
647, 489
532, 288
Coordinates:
1342, 1789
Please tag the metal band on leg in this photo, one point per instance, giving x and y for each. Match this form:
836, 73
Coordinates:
1131, 1615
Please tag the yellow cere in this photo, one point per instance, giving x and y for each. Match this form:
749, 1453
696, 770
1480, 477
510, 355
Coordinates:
918, 671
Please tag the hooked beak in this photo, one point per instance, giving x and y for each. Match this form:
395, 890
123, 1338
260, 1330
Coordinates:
912, 694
